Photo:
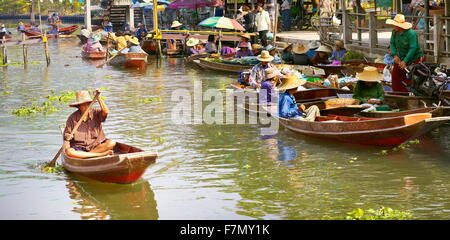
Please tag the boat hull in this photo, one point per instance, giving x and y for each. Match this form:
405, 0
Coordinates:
134, 60
127, 166
223, 67
93, 55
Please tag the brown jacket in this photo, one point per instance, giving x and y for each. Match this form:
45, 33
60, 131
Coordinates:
90, 133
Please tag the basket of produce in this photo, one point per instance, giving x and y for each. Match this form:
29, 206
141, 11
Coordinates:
340, 102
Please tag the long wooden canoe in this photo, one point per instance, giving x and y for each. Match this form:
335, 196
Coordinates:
127, 164
223, 67
386, 132
130, 60
93, 55
435, 112
62, 31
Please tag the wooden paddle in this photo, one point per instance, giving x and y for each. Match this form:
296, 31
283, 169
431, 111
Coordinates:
74, 130
109, 60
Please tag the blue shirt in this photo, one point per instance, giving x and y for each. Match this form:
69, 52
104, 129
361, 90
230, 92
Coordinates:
267, 97
276, 60
388, 59
337, 55
287, 107
311, 53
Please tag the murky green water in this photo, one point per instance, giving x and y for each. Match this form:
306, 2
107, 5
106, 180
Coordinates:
203, 171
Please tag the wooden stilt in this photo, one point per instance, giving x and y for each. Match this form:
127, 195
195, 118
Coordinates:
25, 54
47, 55
5, 55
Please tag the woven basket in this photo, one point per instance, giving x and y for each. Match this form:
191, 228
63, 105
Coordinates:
340, 102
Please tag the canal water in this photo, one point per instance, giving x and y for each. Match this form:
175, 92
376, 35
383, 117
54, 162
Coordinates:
204, 171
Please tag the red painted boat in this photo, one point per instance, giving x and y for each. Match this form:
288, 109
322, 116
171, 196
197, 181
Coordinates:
93, 55
386, 132
62, 31
130, 60
127, 164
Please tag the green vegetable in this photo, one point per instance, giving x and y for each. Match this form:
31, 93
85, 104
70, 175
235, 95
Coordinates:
382, 213
350, 55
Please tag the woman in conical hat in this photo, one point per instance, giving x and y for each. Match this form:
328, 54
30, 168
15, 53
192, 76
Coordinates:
258, 74
321, 56
89, 140
405, 49
368, 89
287, 106
300, 57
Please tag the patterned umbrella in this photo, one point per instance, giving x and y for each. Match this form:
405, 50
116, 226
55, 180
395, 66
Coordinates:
195, 3
222, 22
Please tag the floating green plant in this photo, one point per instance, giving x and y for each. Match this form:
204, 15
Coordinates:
56, 169
403, 146
151, 99
45, 108
6, 93
383, 213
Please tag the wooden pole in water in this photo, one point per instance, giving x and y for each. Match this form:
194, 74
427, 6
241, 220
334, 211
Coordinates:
155, 27
47, 55
25, 54
4, 55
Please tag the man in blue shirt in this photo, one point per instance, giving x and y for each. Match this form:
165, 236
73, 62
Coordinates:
287, 106
312, 49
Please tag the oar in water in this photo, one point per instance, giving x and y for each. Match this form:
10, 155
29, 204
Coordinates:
109, 60
74, 130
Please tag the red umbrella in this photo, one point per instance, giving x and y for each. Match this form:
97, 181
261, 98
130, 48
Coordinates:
195, 3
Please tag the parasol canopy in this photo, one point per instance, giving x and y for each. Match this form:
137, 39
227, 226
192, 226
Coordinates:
222, 22
195, 3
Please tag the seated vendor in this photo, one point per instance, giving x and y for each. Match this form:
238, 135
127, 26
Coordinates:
286, 54
321, 56
133, 46
267, 87
243, 51
245, 38
339, 51
368, 89
312, 49
258, 74
287, 106
274, 53
120, 40
93, 45
89, 140
194, 47
210, 46
256, 49
300, 57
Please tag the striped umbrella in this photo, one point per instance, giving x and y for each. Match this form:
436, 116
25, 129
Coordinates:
222, 22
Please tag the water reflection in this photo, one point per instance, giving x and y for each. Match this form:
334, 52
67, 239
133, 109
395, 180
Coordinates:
98, 201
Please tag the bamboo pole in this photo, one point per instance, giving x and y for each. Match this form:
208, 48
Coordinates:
25, 54
155, 27
4, 55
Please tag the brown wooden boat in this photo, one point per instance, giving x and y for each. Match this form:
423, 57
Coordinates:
130, 60
435, 112
127, 164
386, 132
190, 59
93, 55
223, 67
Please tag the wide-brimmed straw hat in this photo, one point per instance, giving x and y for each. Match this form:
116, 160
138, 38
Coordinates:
286, 45
192, 42
246, 35
314, 44
271, 73
324, 49
265, 57
291, 81
300, 49
399, 21
176, 24
134, 40
81, 97
369, 74
256, 46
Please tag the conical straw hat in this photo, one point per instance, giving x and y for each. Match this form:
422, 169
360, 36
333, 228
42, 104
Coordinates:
369, 74
271, 73
290, 82
300, 49
82, 97
323, 48
176, 24
192, 42
399, 21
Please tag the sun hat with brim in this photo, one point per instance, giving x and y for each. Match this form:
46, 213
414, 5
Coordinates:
256, 46
81, 97
271, 73
192, 42
339, 43
300, 49
176, 24
265, 57
399, 21
324, 49
314, 44
291, 82
134, 41
96, 39
369, 74
246, 36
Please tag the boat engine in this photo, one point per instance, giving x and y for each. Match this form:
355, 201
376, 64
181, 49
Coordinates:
428, 80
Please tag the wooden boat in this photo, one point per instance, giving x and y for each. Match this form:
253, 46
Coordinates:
190, 59
386, 132
62, 32
127, 164
223, 67
130, 60
435, 112
93, 55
